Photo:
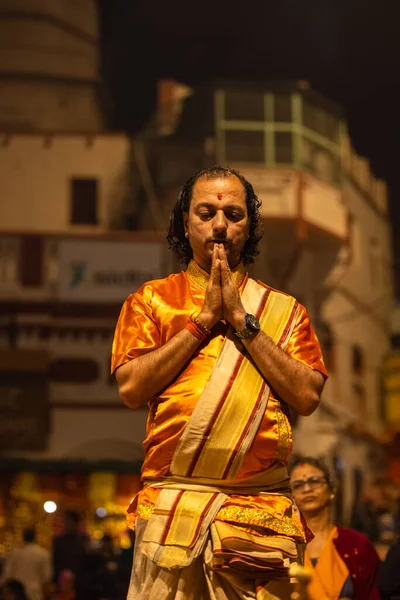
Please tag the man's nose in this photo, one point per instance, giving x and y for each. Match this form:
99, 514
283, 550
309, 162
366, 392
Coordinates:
219, 223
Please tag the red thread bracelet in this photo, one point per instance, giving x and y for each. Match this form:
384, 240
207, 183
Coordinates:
200, 325
196, 331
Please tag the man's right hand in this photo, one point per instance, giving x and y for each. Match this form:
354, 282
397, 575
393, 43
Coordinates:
211, 312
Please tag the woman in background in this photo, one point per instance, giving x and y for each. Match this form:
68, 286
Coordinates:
344, 563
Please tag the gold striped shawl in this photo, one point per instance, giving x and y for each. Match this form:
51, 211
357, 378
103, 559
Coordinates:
232, 405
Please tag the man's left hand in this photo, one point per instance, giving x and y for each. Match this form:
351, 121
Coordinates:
233, 309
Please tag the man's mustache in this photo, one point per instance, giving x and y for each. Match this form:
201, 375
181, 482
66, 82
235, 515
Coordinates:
218, 240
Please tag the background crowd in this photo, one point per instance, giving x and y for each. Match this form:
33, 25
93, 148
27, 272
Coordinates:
80, 568
76, 568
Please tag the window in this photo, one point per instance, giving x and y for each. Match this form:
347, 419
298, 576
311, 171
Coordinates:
328, 346
356, 241
359, 399
320, 121
374, 263
84, 201
244, 106
396, 340
283, 108
31, 260
357, 360
386, 273
283, 147
244, 146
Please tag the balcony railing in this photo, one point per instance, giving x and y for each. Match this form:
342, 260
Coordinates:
278, 130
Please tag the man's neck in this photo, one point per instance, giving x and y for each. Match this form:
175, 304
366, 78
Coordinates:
205, 268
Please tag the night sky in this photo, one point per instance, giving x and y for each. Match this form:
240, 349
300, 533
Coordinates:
347, 49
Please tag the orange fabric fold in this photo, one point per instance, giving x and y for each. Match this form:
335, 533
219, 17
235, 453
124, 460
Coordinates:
329, 574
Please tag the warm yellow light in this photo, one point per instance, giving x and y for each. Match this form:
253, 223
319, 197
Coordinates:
50, 506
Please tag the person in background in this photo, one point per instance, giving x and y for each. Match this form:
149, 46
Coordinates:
389, 576
65, 587
344, 563
370, 509
31, 565
69, 550
13, 590
100, 580
109, 568
125, 564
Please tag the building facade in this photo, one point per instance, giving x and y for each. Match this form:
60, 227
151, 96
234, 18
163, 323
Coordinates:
49, 66
391, 392
67, 262
66, 267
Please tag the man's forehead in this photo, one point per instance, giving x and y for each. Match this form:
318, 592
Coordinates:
219, 188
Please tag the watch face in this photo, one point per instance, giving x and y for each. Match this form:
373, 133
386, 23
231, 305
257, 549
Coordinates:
252, 323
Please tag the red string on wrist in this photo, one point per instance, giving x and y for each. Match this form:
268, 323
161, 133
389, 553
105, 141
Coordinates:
196, 331
200, 325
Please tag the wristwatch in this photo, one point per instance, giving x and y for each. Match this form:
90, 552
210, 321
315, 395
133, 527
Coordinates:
252, 327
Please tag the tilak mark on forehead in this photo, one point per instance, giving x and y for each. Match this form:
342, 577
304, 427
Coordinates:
219, 196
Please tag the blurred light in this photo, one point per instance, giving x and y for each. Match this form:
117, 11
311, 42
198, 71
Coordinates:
50, 506
125, 542
101, 512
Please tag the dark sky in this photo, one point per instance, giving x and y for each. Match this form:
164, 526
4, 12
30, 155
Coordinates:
347, 49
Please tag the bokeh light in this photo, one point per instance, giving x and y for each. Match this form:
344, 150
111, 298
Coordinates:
50, 506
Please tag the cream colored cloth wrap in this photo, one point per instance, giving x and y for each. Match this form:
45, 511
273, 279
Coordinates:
199, 581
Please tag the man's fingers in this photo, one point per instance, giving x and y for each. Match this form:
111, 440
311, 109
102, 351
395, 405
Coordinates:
215, 275
225, 270
213, 259
222, 254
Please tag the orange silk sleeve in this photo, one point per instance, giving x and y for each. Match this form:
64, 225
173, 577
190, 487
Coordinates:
136, 332
304, 345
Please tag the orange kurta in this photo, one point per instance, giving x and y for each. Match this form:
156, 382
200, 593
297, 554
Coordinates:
151, 317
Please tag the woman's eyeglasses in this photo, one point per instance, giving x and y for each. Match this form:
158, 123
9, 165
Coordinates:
313, 482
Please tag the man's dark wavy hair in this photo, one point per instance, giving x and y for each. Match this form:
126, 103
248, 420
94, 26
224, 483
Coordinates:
177, 240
